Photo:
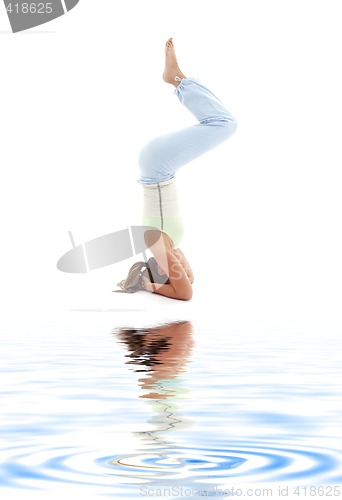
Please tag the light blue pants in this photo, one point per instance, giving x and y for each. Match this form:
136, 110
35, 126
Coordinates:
160, 158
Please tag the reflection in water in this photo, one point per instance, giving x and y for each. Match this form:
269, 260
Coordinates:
161, 354
265, 409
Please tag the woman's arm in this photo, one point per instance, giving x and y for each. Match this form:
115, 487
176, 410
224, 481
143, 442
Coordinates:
184, 261
180, 284
166, 290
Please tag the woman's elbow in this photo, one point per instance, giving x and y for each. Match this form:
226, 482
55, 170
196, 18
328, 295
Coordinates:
186, 294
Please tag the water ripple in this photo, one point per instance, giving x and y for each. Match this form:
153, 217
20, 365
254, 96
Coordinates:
257, 462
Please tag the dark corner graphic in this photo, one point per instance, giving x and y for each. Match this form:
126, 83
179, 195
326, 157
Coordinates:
24, 15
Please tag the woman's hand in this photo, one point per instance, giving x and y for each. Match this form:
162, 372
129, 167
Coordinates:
146, 283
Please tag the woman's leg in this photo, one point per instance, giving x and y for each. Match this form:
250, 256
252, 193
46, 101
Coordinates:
162, 157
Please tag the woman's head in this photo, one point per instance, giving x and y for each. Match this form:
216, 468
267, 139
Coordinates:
151, 269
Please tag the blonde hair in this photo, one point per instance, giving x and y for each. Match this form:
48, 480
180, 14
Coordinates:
133, 282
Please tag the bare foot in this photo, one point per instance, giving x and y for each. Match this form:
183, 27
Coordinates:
171, 65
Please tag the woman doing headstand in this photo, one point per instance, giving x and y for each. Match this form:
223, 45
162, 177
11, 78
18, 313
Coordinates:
168, 272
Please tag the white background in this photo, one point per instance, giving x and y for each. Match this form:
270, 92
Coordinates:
81, 95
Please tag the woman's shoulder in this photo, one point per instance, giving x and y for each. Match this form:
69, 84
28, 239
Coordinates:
155, 237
